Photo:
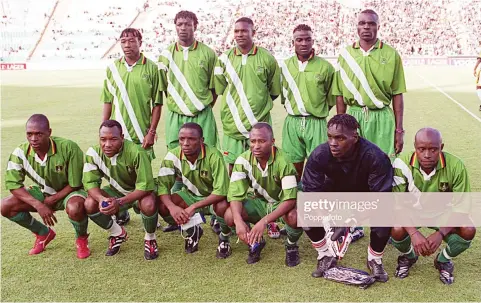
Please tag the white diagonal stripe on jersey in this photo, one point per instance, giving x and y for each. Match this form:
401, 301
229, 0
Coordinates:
255, 185
218, 71
183, 82
89, 167
117, 114
287, 103
288, 182
350, 86
239, 88
161, 66
360, 76
101, 165
293, 87
398, 181
171, 157
399, 164
178, 99
14, 166
125, 98
166, 171
35, 176
235, 115
236, 176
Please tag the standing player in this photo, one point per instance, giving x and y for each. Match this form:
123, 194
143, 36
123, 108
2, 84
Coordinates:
370, 75
348, 163
204, 173
248, 78
429, 169
186, 70
131, 96
477, 74
127, 169
55, 165
306, 83
273, 179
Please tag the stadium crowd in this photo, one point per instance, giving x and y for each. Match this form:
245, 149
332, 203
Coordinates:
88, 31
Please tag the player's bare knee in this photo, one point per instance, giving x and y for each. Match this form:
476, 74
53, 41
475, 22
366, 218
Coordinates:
91, 206
6, 207
220, 208
291, 218
75, 208
148, 205
467, 233
398, 233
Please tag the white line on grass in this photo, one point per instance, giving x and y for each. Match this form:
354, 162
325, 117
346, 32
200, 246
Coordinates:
450, 98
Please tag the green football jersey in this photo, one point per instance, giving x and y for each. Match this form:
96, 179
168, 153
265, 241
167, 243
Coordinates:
61, 166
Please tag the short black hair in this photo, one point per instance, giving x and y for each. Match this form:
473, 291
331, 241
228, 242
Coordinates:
345, 120
302, 27
260, 125
186, 15
246, 20
111, 124
135, 32
371, 12
193, 125
39, 119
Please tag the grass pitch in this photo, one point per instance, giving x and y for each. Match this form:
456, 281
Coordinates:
70, 100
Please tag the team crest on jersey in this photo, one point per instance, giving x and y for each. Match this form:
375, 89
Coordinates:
146, 77
204, 173
444, 187
202, 64
383, 60
318, 77
59, 168
260, 70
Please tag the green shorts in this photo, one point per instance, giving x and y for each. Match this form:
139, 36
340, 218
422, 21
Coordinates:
258, 208
377, 126
190, 199
114, 194
205, 119
301, 135
37, 193
233, 148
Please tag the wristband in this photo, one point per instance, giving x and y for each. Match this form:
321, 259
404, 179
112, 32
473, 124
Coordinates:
399, 131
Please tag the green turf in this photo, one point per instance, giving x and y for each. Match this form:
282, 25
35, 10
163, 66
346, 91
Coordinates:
57, 275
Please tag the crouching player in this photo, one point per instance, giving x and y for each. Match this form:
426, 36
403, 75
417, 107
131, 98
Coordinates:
264, 169
429, 169
126, 167
204, 173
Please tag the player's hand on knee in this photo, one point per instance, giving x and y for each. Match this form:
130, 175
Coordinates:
179, 214
255, 235
434, 241
112, 207
420, 244
47, 215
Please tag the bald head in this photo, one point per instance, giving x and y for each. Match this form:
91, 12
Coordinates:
428, 135
429, 145
41, 121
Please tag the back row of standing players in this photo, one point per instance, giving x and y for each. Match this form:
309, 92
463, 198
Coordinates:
189, 77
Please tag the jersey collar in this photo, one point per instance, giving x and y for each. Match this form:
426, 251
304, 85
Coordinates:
180, 48
252, 52
415, 163
51, 151
142, 60
378, 44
